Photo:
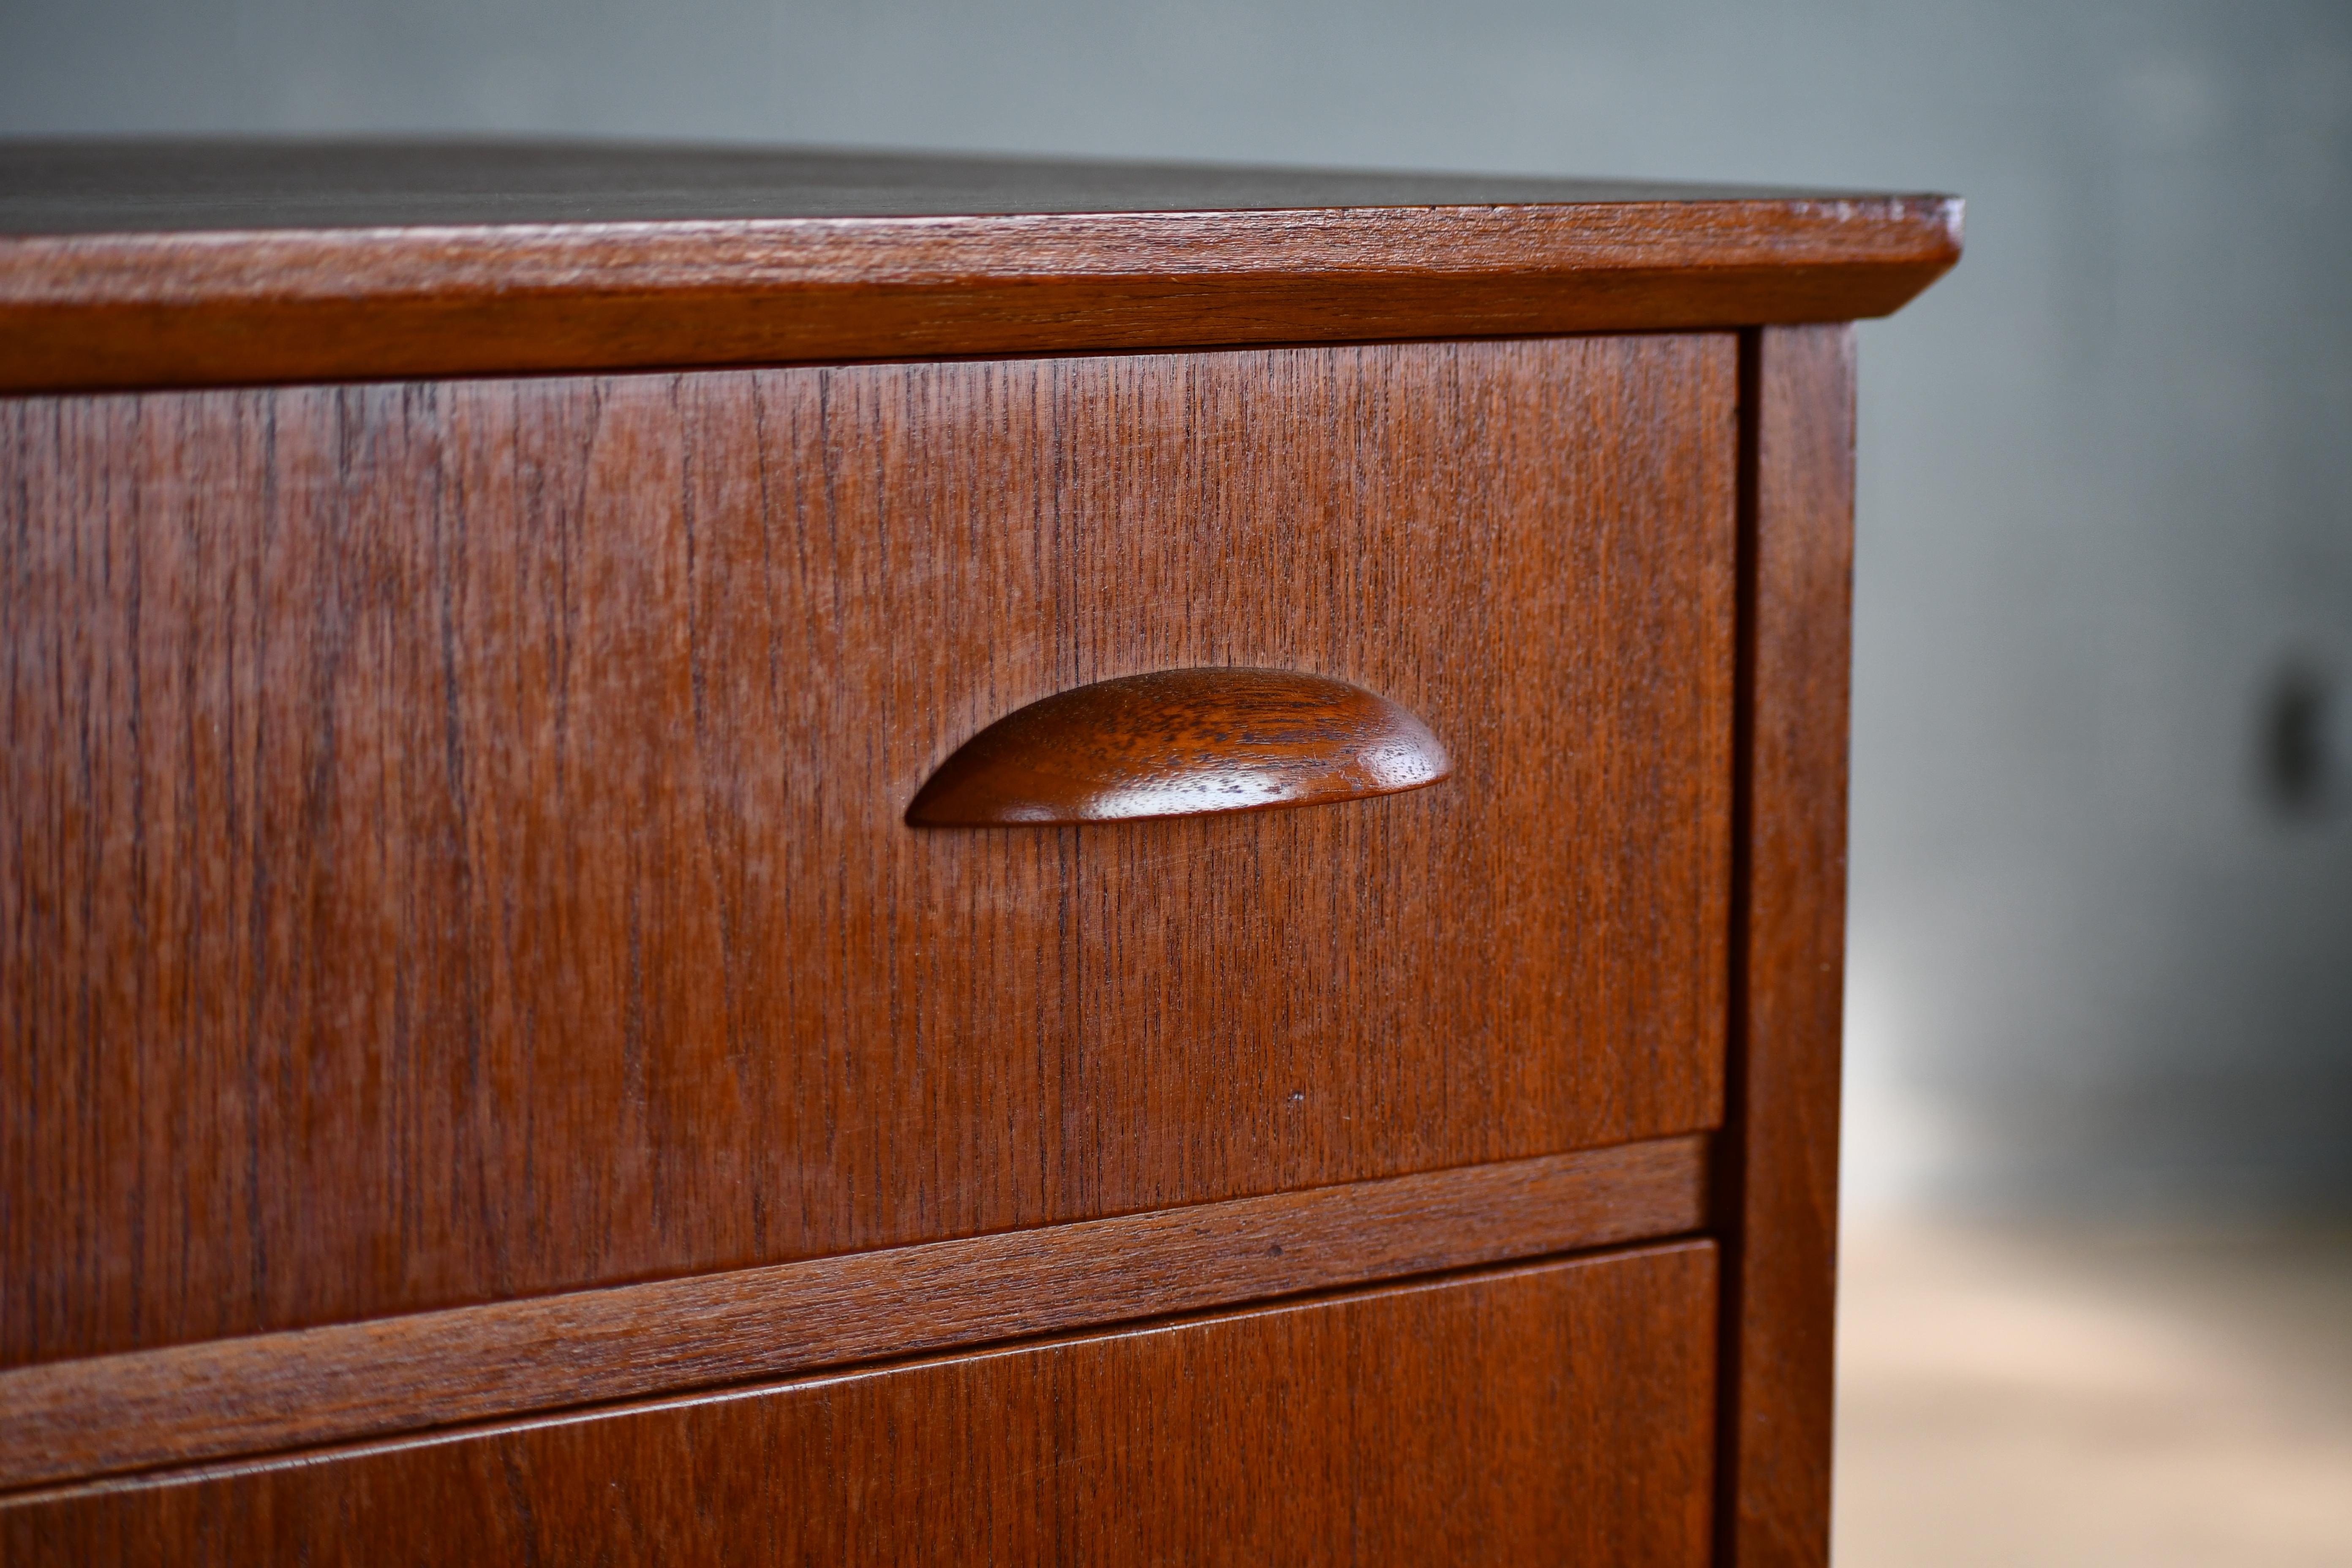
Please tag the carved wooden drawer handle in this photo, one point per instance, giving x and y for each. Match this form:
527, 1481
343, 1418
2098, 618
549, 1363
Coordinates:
1182, 743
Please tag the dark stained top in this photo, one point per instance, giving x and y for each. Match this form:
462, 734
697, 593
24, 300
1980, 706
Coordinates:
58, 187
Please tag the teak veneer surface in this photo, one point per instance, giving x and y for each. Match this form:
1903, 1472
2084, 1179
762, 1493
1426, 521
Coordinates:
267, 1392
131, 264
1557, 1413
1778, 1207
451, 841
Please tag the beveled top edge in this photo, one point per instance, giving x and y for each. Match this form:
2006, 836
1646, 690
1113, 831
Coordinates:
142, 296
57, 187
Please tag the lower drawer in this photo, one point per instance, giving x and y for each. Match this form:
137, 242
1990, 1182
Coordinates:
1560, 1412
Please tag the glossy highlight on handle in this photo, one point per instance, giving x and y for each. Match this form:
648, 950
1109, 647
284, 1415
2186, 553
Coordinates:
1182, 743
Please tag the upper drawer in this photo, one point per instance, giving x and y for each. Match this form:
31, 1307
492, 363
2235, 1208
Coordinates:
454, 832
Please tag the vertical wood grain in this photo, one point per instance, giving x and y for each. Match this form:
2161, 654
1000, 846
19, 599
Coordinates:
451, 841
1557, 1413
1781, 1150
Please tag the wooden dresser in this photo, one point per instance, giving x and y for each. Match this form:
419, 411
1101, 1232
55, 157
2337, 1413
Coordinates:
638, 922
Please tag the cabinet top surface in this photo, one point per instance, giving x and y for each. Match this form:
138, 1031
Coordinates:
125, 186
134, 264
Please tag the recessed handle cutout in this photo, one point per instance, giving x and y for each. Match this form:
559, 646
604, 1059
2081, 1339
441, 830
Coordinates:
1182, 743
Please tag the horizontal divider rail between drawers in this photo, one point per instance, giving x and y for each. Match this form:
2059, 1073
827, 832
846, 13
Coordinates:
265, 1393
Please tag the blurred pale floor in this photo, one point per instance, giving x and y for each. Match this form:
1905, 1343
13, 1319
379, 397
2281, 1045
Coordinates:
2027, 1396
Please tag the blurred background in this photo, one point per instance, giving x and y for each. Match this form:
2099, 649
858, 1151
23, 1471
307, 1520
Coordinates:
2099, 1294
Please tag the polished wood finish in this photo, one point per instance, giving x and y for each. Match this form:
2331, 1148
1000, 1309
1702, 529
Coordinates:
497, 1061
1779, 1203
148, 266
1182, 742
273, 1392
1557, 1413
454, 841
149, 185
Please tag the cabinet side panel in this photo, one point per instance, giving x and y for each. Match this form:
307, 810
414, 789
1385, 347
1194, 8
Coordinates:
1780, 1153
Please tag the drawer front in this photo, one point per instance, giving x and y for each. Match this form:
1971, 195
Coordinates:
1557, 1413
455, 841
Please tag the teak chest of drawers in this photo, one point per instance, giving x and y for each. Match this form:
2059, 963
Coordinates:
546, 1018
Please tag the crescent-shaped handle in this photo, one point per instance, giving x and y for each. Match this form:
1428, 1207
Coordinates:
1182, 743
